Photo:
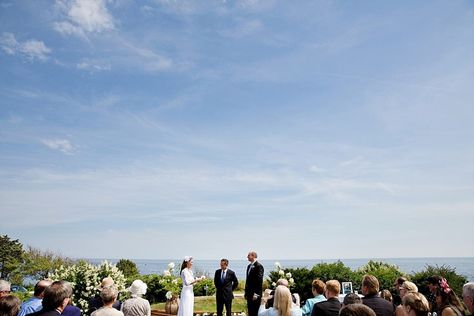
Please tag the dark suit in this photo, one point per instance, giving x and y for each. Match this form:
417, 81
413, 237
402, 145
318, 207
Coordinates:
380, 306
330, 307
45, 313
224, 290
253, 285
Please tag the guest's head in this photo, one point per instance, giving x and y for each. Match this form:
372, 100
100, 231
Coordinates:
40, 286
370, 285
386, 295
445, 296
407, 287
433, 282
252, 256
318, 287
224, 264
282, 302
4, 288
9, 305
187, 263
398, 282
283, 282
137, 288
57, 295
106, 282
357, 309
109, 295
333, 287
468, 296
415, 304
351, 298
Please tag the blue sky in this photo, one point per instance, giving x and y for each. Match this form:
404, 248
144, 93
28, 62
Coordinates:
308, 129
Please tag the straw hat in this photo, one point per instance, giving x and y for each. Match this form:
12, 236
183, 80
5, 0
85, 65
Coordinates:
106, 282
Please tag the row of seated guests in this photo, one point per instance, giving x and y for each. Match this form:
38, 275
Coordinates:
55, 299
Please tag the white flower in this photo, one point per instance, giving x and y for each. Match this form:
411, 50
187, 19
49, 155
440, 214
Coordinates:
281, 272
291, 280
288, 275
166, 273
278, 265
174, 281
274, 284
171, 265
169, 295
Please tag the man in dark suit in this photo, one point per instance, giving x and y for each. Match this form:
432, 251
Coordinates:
370, 290
56, 298
253, 284
332, 306
226, 282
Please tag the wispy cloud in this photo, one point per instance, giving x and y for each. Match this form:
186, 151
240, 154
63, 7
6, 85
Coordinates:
31, 49
84, 16
63, 145
93, 65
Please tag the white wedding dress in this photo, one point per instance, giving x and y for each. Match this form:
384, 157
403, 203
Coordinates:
186, 302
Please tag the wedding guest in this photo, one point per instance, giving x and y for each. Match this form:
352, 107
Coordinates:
294, 296
253, 284
405, 288
225, 282
318, 288
357, 309
4, 288
9, 305
186, 302
370, 290
136, 305
386, 295
468, 296
447, 301
109, 296
56, 297
398, 282
282, 304
433, 282
415, 304
71, 310
331, 306
96, 302
34, 304
351, 298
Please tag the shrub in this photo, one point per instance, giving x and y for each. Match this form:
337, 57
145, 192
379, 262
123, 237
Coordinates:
129, 270
204, 288
455, 280
84, 277
384, 272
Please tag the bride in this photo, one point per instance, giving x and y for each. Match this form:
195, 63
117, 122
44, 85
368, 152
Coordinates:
186, 303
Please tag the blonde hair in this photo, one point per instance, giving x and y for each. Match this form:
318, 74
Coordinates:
333, 286
417, 302
409, 286
282, 301
371, 283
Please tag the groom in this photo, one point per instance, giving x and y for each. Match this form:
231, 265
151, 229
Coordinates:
226, 282
253, 284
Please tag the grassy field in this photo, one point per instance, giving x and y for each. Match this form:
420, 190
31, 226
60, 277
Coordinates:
207, 304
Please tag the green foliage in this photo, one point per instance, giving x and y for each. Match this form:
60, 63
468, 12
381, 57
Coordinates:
204, 288
155, 289
39, 264
455, 281
386, 273
84, 277
129, 270
11, 251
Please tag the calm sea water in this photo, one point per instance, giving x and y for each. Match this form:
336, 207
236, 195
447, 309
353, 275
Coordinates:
464, 266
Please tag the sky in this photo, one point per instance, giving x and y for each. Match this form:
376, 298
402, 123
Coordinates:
157, 129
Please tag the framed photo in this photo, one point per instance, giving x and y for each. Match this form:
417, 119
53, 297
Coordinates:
346, 287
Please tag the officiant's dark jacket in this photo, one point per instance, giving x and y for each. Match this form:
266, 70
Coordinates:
224, 291
254, 281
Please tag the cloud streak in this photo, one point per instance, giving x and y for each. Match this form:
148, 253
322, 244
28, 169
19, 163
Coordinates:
31, 49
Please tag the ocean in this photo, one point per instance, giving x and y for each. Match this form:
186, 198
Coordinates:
464, 266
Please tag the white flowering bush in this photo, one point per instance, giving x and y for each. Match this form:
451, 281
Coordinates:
171, 282
279, 273
84, 278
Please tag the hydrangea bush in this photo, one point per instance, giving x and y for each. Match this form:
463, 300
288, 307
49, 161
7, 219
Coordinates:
84, 278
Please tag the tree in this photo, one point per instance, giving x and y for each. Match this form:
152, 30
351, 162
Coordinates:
455, 280
385, 273
129, 270
39, 264
11, 251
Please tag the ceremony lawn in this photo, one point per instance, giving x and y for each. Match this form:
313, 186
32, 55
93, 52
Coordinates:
207, 304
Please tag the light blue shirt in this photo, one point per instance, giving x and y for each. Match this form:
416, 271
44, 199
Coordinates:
30, 306
308, 306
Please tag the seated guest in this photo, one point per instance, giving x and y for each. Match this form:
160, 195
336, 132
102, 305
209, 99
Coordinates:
351, 298
136, 306
386, 295
433, 282
447, 301
9, 305
34, 304
4, 288
56, 297
96, 302
282, 304
294, 297
108, 295
357, 309
318, 288
71, 310
331, 306
468, 296
415, 304
370, 290
405, 288
398, 282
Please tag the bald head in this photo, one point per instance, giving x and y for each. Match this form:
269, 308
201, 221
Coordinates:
468, 296
40, 287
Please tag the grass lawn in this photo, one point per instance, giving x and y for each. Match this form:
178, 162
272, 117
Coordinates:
207, 304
